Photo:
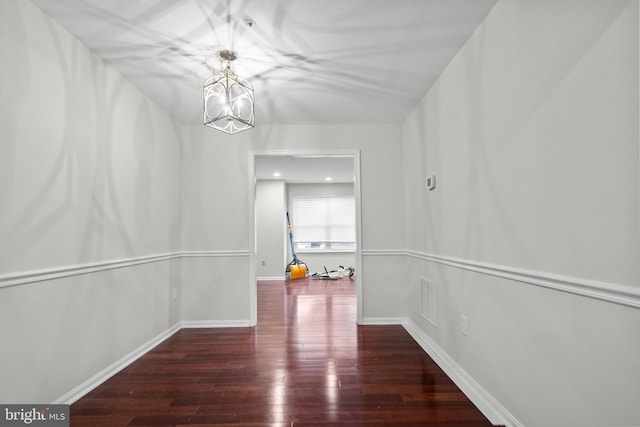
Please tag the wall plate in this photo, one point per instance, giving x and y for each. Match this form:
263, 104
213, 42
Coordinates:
431, 182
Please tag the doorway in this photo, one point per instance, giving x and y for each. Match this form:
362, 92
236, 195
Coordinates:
309, 166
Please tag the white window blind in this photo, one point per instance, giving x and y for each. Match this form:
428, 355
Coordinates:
324, 223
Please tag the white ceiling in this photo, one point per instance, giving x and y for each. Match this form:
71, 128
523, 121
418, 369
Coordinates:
310, 61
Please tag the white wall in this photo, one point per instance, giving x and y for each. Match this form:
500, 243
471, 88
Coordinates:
532, 132
89, 175
108, 207
271, 230
215, 228
216, 203
542, 100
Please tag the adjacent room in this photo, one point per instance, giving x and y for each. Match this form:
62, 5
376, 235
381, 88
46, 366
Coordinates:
478, 162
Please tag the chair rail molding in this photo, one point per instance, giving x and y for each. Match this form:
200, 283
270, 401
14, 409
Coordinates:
626, 295
605, 291
31, 276
610, 292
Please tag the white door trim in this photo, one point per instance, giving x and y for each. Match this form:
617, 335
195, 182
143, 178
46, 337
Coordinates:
253, 290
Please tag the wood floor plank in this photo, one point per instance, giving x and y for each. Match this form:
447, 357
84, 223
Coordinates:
306, 362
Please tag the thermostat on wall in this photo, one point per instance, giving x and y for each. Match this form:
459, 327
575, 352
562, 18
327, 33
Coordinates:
431, 182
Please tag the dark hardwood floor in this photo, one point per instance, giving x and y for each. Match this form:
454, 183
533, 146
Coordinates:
305, 363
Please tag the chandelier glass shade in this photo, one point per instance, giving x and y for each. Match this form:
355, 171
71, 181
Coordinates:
228, 101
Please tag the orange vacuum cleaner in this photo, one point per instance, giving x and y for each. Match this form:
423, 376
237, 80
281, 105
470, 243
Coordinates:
296, 269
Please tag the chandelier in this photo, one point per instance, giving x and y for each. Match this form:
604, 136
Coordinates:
228, 99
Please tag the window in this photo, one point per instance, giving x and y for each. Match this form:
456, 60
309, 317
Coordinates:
324, 223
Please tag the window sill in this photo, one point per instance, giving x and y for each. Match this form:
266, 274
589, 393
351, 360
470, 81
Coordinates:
325, 251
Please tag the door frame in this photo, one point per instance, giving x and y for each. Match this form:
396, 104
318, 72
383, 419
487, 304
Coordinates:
253, 283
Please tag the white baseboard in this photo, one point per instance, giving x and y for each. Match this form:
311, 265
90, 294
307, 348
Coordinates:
190, 324
487, 404
102, 376
271, 278
109, 371
383, 321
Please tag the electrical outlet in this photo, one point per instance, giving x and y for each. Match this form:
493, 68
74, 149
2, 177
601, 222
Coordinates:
174, 294
264, 263
464, 325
